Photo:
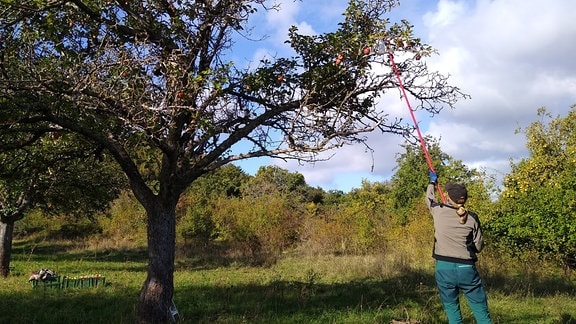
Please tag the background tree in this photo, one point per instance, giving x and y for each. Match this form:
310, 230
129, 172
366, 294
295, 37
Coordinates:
366, 212
536, 210
199, 201
54, 174
273, 179
412, 175
155, 76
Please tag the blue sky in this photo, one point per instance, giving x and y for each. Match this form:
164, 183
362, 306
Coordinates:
511, 56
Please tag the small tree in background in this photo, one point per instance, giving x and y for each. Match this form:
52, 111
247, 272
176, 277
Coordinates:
536, 208
199, 201
55, 174
154, 76
412, 175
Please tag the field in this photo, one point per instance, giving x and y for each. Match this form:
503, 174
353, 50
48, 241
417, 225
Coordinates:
296, 289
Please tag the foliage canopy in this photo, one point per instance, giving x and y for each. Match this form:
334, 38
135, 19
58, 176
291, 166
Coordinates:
536, 207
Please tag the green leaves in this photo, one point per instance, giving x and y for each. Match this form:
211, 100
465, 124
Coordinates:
409, 182
537, 205
60, 173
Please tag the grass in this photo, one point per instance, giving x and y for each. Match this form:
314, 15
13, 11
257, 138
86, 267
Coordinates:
296, 289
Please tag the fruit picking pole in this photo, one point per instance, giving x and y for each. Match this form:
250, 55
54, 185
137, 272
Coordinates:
422, 142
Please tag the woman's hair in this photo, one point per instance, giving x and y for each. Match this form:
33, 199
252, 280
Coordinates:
458, 195
462, 212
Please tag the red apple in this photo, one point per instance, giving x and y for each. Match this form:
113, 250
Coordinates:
366, 50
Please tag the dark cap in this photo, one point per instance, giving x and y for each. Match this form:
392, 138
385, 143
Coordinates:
457, 192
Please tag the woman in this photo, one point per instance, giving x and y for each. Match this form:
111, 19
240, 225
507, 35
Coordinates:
457, 241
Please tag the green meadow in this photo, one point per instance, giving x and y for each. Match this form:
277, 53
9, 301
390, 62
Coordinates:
297, 288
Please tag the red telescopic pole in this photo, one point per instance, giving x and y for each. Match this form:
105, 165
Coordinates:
422, 142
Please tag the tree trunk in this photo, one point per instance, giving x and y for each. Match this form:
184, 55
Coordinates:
158, 289
6, 235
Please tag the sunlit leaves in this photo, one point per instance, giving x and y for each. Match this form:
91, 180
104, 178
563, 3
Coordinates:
412, 175
538, 204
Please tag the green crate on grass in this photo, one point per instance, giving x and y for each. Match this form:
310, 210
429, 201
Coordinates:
83, 281
71, 282
54, 283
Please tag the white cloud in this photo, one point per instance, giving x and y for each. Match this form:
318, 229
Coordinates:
447, 13
511, 56
351, 164
280, 20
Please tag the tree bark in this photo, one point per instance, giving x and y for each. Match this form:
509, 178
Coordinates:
158, 288
6, 235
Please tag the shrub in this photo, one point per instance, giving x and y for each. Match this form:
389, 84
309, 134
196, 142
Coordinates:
197, 224
259, 227
126, 218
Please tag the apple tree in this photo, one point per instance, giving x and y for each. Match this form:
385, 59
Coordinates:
156, 76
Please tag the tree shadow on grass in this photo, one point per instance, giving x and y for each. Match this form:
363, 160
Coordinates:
74, 305
302, 302
530, 285
412, 294
49, 251
368, 301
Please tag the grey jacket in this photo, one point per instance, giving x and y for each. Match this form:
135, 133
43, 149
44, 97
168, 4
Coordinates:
453, 242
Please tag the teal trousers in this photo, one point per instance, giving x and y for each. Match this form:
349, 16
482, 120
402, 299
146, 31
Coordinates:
453, 278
